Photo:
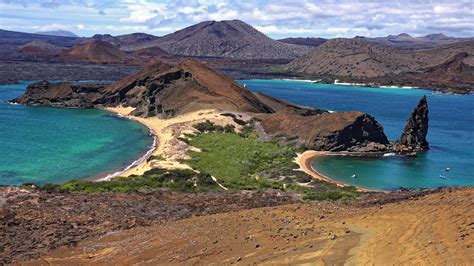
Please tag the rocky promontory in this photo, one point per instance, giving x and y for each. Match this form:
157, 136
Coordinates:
341, 131
165, 91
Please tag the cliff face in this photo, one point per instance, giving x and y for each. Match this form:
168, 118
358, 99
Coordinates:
413, 137
63, 94
342, 131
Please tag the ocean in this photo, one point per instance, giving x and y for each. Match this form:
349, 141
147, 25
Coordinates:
54, 145
451, 133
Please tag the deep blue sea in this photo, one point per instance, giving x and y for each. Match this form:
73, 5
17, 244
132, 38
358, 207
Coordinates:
451, 133
42, 144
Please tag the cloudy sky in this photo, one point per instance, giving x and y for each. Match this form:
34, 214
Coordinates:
281, 18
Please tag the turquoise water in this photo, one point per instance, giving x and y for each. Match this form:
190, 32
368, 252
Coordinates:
451, 133
42, 144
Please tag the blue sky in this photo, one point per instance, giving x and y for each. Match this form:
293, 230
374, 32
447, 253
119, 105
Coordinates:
307, 18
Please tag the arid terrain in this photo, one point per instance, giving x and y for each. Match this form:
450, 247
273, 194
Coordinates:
398, 228
229, 177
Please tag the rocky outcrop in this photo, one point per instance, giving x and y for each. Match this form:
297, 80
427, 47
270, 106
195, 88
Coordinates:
164, 91
158, 90
62, 94
413, 138
342, 131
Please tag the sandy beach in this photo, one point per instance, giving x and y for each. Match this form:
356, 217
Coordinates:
172, 151
166, 131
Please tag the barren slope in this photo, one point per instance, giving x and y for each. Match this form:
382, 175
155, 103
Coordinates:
228, 38
361, 59
433, 230
95, 52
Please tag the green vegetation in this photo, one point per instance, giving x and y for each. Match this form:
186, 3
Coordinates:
208, 126
241, 161
178, 180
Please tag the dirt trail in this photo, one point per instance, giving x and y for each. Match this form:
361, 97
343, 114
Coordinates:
434, 229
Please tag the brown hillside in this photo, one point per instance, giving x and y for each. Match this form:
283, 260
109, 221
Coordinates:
361, 59
95, 52
40, 48
150, 52
191, 86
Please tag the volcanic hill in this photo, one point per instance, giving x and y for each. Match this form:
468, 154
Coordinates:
95, 52
228, 38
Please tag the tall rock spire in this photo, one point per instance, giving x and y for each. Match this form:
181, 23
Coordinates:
413, 137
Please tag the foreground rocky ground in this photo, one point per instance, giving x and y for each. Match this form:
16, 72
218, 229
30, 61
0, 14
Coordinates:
432, 227
34, 222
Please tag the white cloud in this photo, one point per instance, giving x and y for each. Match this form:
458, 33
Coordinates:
325, 18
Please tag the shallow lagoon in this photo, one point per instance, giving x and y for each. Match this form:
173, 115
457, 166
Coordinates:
42, 144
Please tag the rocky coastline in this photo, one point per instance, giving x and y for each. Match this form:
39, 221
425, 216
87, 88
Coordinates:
164, 91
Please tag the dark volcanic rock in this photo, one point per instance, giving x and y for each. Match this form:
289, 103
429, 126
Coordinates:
342, 131
61, 94
413, 137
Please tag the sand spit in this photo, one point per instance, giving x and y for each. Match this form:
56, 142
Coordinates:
167, 131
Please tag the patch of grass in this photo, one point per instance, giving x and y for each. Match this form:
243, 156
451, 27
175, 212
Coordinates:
240, 162
208, 126
178, 180
236, 160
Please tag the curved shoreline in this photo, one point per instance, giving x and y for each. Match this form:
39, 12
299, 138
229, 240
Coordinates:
140, 165
135, 163
144, 156
166, 139
304, 161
